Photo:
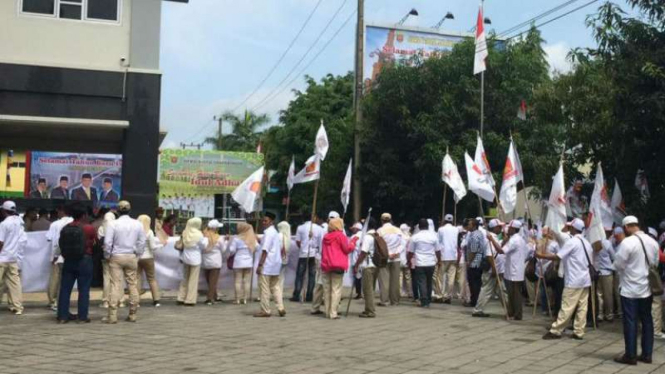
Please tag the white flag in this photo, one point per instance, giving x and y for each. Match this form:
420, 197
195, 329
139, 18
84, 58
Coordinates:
249, 191
321, 143
290, 179
480, 159
512, 175
451, 176
478, 183
618, 206
600, 212
481, 45
311, 171
642, 185
556, 205
346, 186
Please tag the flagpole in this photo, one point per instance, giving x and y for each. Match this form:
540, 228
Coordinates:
443, 205
288, 203
482, 102
309, 244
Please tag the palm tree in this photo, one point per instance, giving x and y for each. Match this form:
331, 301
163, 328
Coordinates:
244, 135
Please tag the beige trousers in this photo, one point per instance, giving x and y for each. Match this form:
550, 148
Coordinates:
332, 292
394, 286
317, 298
119, 266
106, 292
617, 295
370, 275
572, 298
189, 285
450, 270
405, 282
437, 281
54, 283
242, 278
384, 285
147, 266
489, 288
9, 276
463, 292
657, 315
606, 296
270, 285
530, 290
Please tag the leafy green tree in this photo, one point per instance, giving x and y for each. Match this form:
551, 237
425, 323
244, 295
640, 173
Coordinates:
244, 134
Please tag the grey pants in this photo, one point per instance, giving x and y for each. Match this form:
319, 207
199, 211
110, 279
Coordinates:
370, 275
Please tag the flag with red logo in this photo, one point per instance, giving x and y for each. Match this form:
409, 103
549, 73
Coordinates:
556, 205
617, 203
512, 175
521, 112
480, 158
481, 45
451, 176
478, 182
642, 185
600, 211
321, 143
311, 171
247, 193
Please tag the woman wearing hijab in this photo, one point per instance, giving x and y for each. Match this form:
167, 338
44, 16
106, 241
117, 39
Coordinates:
101, 232
212, 258
284, 230
405, 278
147, 259
334, 263
242, 247
193, 243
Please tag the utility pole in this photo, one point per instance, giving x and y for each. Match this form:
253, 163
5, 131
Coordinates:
219, 132
360, 52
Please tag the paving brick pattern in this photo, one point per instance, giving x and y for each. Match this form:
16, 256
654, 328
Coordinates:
225, 338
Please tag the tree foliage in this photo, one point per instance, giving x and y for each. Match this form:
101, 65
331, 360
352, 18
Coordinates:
244, 134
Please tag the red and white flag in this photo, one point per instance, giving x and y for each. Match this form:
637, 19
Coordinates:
290, 179
247, 193
521, 111
321, 143
478, 183
451, 176
642, 185
311, 171
481, 45
556, 205
618, 205
480, 159
600, 211
346, 186
512, 175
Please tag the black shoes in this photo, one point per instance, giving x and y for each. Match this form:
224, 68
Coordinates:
550, 336
480, 314
623, 359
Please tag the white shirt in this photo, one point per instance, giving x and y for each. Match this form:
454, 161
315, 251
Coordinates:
124, 237
499, 258
302, 236
192, 255
151, 245
393, 240
448, 235
53, 236
405, 244
212, 259
368, 249
603, 259
516, 251
424, 246
576, 265
243, 257
552, 248
631, 265
272, 245
13, 237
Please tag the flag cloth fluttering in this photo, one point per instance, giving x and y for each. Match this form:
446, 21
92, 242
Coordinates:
481, 45
618, 205
642, 185
321, 143
600, 212
247, 193
556, 205
311, 171
451, 176
478, 182
512, 175
480, 158
346, 186
521, 111
290, 179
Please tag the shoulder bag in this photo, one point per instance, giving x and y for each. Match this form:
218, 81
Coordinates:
655, 284
593, 273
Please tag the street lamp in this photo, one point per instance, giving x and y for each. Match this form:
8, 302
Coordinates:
412, 12
447, 16
486, 21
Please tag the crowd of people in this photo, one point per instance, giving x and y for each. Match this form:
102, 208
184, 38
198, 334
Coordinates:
571, 278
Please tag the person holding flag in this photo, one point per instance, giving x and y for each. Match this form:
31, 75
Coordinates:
364, 264
512, 175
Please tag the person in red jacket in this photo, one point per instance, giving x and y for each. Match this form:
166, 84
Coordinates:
334, 262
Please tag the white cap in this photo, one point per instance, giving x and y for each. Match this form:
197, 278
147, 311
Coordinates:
495, 222
214, 224
386, 217
448, 218
333, 214
651, 231
481, 220
577, 224
630, 220
516, 224
9, 206
404, 227
618, 230
357, 225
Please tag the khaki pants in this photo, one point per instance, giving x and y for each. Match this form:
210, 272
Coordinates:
119, 266
515, 303
147, 266
657, 315
489, 288
318, 299
405, 282
384, 285
54, 284
9, 276
270, 285
242, 279
437, 281
107, 281
189, 285
370, 275
572, 298
462, 284
531, 291
617, 295
212, 278
449, 270
394, 287
606, 296
332, 292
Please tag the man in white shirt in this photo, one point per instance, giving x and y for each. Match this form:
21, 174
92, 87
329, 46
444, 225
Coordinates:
448, 237
603, 263
424, 249
515, 249
270, 267
12, 242
124, 243
489, 278
370, 273
575, 256
634, 256
306, 258
389, 276
52, 237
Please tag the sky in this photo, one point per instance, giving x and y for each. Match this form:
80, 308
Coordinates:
215, 53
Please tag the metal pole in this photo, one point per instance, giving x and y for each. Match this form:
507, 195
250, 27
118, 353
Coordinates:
360, 50
443, 204
219, 134
288, 203
482, 103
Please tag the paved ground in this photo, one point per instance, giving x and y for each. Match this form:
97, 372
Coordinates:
225, 338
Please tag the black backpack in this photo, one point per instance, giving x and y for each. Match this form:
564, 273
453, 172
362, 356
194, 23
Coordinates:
72, 242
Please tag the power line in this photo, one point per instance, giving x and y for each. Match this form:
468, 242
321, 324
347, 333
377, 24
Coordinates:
281, 58
539, 16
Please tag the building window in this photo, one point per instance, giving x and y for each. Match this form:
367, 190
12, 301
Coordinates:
84, 10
